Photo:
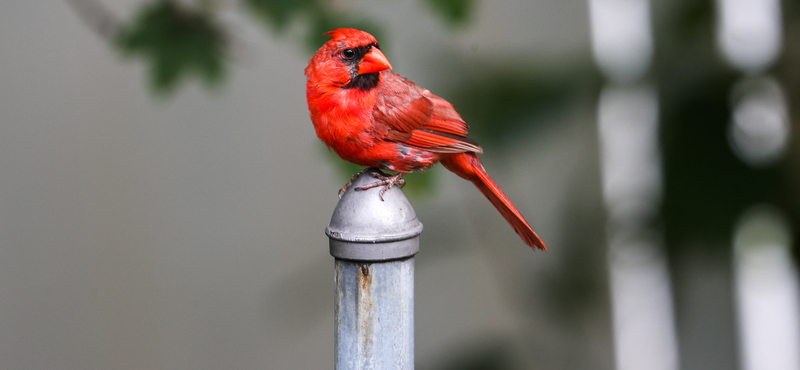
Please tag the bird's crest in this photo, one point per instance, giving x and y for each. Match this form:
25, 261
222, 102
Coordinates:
351, 35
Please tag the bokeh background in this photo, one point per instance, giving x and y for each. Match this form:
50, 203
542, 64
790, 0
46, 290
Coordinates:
163, 196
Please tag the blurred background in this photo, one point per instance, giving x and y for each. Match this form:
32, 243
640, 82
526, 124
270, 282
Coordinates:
163, 195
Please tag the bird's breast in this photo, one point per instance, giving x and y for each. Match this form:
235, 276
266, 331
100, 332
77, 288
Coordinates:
343, 121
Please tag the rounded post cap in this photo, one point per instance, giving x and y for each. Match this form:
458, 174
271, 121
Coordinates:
364, 227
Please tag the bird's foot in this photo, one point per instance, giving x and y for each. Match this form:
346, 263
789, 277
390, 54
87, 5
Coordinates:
352, 180
385, 180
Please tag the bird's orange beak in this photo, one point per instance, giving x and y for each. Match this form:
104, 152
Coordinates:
373, 61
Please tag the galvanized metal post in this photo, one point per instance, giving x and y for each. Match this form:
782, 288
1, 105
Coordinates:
374, 243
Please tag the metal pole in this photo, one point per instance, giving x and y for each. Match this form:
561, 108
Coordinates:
374, 243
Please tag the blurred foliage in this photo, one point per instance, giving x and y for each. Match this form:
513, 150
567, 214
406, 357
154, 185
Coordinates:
692, 21
575, 291
180, 42
319, 14
787, 71
455, 12
501, 104
706, 186
279, 13
176, 42
480, 354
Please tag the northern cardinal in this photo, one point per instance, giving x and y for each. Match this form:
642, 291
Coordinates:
376, 118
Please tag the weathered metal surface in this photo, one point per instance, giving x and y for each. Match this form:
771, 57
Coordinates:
374, 313
374, 243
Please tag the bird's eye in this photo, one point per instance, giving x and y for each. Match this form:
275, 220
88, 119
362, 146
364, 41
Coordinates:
348, 54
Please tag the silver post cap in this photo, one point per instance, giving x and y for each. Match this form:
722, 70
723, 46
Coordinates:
365, 228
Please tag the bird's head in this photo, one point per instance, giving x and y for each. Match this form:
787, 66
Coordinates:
351, 59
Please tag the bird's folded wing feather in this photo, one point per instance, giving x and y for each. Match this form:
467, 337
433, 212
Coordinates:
409, 114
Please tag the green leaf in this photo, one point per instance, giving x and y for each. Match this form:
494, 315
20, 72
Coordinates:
177, 43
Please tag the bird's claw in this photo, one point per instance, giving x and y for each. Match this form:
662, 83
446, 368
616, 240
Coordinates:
352, 180
386, 181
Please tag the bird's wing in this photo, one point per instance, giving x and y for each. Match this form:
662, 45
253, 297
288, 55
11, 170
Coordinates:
406, 113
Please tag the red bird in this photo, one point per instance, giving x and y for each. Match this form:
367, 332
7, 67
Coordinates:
374, 117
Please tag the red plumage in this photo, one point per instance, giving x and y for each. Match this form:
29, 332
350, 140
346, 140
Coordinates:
374, 117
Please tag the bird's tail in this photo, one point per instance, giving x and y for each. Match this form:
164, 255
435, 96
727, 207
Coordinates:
468, 166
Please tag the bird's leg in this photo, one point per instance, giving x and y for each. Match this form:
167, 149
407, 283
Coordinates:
352, 180
385, 180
